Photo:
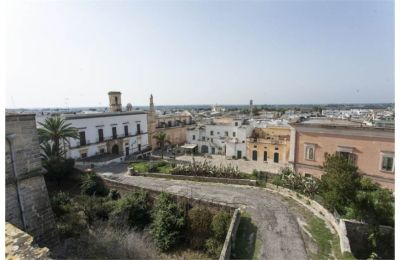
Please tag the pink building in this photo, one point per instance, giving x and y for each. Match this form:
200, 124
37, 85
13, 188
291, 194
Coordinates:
371, 149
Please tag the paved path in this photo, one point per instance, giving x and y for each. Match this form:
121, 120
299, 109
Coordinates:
277, 227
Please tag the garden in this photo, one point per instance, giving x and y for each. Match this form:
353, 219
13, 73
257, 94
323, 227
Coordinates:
99, 223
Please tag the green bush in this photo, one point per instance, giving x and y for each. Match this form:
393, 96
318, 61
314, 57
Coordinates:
199, 223
95, 208
60, 204
214, 247
168, 222
220, 225
132, 210
92, 184
114, 195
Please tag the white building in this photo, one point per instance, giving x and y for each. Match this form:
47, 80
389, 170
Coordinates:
225, 138
119, 133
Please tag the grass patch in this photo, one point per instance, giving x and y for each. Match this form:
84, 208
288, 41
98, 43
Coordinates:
140, 167
246, 244
165, 169
322, 237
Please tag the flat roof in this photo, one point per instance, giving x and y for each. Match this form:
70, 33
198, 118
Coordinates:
189, 146
104, 114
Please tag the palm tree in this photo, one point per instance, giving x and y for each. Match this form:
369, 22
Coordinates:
55, 130
161, 139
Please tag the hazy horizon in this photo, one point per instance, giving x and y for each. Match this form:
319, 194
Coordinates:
71, 53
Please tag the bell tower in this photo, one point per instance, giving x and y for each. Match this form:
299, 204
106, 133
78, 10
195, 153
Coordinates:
115, 101
151, 123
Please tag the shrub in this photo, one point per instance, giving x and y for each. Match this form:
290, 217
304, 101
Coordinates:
168, 222
132, 210
206, 169
199, 223
220, 225
95, 208
340, 183
93, 185
114, 195
214, 247
60, 204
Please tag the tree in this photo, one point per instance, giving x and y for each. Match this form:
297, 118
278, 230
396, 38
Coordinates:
199, 223
56, 130
161, 140
168, 222
340, 183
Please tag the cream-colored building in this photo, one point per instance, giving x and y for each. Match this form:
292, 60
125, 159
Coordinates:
269, 145
174, 125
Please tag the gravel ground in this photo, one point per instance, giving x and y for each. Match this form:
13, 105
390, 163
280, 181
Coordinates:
277, 226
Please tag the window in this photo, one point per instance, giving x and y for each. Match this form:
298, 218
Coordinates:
254, 157
116, 100
387, 160
114, 132
126, 130
102, 150
211, 132
169, 124
83, 155
226, 133
351, 157
276, 148
255, 146
310, 152
193, 137
234, 134
212, 140
139, 147
101, 135
265, 156
138, 131
82, 138
236, 123
203, 138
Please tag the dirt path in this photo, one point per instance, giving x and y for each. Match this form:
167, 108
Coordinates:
277, 226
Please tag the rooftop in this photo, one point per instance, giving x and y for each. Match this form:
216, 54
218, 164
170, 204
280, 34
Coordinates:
103, 114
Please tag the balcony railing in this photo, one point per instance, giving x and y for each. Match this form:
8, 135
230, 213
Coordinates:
104, 139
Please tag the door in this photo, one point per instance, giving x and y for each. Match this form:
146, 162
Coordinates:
204, 149
254, 155
82, 138
239, 154
101, 135
276, 157
115, 149
265, 156
126, 151
213, 150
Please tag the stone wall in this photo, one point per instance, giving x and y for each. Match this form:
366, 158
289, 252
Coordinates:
27, 201
230, 236
358, 234
19, 245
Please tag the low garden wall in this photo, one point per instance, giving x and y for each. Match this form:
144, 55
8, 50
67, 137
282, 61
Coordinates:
200, 178
230, 236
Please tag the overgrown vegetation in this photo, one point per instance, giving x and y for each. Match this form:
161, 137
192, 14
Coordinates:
207, 169
152, 166
93, 185
160, 226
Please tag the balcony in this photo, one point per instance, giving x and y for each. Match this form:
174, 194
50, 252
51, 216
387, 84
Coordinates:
105, 139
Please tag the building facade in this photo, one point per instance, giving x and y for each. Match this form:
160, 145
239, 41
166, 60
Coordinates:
227, 137
269, 145
173, 125
119, 133
371, 149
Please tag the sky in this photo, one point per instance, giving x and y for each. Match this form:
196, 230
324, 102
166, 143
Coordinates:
72, 53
